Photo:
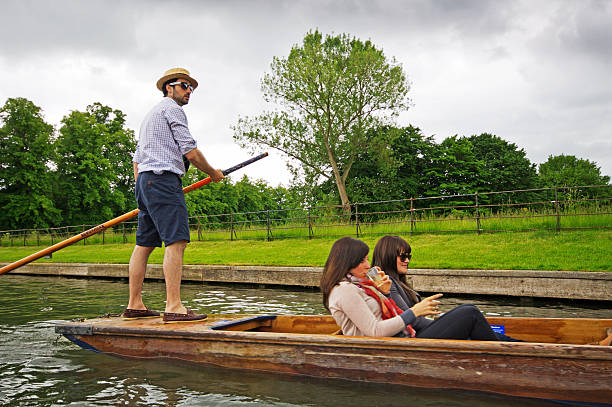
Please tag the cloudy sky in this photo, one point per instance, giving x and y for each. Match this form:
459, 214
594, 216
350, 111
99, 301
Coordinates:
535, 73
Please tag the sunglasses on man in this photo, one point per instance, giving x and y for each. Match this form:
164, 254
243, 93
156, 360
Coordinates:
184, 85
405, 256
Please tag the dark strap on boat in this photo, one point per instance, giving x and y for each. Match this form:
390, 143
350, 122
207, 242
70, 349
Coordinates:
233, 322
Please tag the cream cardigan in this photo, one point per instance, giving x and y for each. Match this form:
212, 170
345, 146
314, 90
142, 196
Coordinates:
358, 314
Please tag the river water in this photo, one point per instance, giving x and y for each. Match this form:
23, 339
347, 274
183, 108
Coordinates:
37, 367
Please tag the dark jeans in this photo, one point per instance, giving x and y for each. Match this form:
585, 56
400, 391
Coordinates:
463, 322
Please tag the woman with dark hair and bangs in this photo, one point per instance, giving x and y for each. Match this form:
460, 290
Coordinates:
392, 254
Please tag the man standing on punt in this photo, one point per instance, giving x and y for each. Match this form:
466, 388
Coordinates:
158, 168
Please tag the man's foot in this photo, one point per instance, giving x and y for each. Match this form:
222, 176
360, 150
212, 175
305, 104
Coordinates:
139, 313
190, 316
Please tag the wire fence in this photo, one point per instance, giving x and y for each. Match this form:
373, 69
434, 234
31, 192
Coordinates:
550, 209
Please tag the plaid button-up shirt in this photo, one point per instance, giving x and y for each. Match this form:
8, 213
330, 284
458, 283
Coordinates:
164, 138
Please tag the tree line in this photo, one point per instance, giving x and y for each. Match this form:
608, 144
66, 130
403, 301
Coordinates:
82, 173
78, 174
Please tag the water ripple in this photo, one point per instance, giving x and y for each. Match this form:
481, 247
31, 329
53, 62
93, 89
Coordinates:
39, 368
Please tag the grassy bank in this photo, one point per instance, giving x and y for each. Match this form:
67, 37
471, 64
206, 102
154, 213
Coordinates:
572, 251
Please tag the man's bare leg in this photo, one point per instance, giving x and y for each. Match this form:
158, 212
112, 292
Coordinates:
173, 271
137, 270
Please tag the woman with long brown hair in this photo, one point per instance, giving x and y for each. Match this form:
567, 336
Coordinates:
392, 254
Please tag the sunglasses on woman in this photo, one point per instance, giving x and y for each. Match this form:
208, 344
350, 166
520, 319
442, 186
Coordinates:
405, 256
184, 85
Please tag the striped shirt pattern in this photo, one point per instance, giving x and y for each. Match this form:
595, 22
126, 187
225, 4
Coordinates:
164, 138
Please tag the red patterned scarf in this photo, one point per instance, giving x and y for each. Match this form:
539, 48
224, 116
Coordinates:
388, 307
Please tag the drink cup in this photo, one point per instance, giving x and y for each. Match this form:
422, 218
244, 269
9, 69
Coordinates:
373, 274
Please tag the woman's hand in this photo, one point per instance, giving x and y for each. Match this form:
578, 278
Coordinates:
384, 283
429, 306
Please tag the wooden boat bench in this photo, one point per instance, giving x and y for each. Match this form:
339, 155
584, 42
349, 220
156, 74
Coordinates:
553, 330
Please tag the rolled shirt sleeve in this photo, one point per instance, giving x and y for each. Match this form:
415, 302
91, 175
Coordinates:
177, 120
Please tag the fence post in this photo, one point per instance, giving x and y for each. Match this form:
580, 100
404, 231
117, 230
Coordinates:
232, 226
83, 227
37, 237
25, 234
103, 233
356, 220
557, 210
123, 229
477, 214
268, 225
309, 224
199, 231
411, 215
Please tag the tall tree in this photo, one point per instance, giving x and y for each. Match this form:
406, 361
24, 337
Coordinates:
94, 165
329, 92
26, 153
393, 166
454, 168
117, 149
568, 170
505, 167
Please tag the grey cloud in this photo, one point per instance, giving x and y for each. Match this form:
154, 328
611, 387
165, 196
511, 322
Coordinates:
475, 18
30, 26
590, 31
567, 58
574, 31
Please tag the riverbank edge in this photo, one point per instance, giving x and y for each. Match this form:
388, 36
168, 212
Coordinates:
580, 285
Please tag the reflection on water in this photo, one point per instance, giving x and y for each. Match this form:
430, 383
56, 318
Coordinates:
38, 368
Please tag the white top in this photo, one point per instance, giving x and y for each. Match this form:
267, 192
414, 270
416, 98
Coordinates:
358, 314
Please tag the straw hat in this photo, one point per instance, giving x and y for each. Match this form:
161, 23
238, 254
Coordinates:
176, 73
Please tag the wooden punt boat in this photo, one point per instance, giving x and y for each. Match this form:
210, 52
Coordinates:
558, 362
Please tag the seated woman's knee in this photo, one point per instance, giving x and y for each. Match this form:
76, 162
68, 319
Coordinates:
467, 308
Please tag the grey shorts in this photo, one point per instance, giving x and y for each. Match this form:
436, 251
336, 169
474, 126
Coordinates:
162, 212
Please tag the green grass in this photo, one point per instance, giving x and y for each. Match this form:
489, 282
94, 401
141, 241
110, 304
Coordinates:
541, 250
331, 225
510, 221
